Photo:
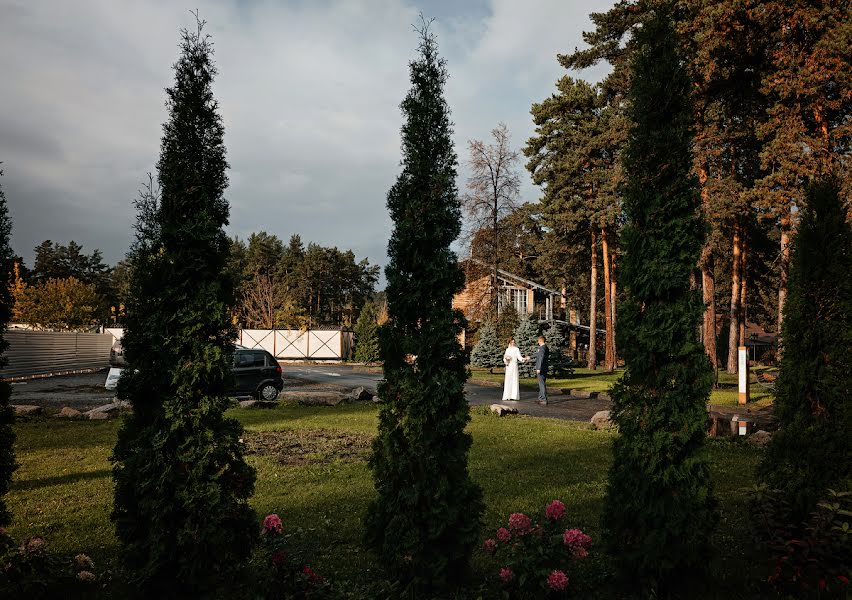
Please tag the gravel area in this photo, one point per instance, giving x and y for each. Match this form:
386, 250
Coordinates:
82, 392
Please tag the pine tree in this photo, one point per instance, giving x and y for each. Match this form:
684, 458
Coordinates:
181, 484
7, 415
367, 334
425, 520
526, 337
487, 353
659, 510
811, 450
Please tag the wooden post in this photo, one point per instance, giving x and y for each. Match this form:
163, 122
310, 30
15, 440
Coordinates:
743, 374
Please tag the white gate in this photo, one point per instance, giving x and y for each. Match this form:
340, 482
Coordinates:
295, 344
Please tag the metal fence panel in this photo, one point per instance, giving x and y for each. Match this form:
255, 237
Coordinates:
41, 353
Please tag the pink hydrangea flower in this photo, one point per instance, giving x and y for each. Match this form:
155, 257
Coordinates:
577, 541
519, 522
312, 577
506, 574
557, 580
278, 558
555, 510
272, 523
503, 535
490, 545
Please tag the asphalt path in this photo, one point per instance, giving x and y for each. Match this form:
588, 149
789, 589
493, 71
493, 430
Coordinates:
559, 406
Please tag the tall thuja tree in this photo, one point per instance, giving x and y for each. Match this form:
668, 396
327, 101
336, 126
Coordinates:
425, 519
659, 509
367, 334
7, 416
181, 484
811, 450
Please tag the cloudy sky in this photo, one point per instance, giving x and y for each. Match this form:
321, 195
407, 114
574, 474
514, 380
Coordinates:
309, 93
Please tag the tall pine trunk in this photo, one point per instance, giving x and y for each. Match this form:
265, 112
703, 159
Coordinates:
612, 294
593, 304
609, 360
708, 284
786, 222
733, 326
743, 282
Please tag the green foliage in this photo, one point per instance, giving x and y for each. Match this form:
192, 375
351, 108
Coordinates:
367, 334
425, 518
181, 485
659, 510
560, 365
813, 406
526, 337
487, 352
60, 304
7, 415
814, 555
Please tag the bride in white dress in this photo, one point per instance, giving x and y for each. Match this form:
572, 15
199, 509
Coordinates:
511, 389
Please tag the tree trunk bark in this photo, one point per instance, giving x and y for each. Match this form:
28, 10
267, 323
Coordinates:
733, 328
784, 268
612, 291
708, 285
593, 299
609, 362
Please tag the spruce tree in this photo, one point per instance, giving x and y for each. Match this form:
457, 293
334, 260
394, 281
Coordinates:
526, 337
181, 485
659, 509
424, 521
367, 334
487, 353
811, 450
7, 415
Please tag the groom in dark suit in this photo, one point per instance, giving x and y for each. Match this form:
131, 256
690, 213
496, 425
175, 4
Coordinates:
541, 364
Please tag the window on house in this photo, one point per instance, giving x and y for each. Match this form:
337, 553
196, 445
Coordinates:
515, 297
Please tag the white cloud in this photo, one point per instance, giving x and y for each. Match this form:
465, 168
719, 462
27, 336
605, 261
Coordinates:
309, 92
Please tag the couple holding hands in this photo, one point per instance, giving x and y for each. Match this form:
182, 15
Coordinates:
511, 388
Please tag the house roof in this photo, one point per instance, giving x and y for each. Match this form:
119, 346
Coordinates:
512, 278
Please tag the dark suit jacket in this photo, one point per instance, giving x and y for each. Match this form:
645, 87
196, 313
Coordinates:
541, 359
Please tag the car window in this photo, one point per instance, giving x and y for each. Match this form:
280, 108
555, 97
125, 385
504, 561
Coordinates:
258, 359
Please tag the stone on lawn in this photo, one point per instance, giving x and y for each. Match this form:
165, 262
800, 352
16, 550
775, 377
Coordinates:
759, 438
97, 416
502, 409
257, 404
26, 409
600, 420
359, 394
69, 413
313, 398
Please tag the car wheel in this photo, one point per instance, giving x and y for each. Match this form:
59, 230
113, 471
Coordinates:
268, 392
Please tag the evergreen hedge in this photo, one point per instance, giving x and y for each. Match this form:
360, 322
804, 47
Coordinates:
181, 485
812, 450
424, 521
659, 509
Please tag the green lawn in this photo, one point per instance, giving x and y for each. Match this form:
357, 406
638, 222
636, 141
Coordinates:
600, 381
62, 489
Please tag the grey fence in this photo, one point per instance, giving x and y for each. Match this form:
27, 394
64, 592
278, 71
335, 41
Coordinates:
43, 353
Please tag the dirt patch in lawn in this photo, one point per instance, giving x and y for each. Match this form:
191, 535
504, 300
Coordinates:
309, 446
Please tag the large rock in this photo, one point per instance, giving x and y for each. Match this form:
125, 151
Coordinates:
600, 420
314, 398
257, 404
359, 394
25, 410
109, 410
69, 413
759, 438
502, 409
583, 394
97, 416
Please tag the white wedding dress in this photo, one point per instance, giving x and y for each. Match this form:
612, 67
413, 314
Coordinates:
511, 388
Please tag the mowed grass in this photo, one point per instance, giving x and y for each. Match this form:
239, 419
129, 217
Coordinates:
726, 394
63, 490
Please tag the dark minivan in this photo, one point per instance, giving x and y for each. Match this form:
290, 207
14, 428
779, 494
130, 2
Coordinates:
256, 373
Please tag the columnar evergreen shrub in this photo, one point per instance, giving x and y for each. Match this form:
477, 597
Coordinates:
367, 334
425, 518
659, 509
181, 485
7, 415
526, 337
812, 450
488, 352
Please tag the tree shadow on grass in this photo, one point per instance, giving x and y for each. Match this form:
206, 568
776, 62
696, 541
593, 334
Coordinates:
67, 479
